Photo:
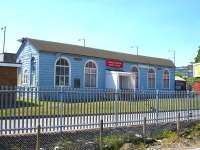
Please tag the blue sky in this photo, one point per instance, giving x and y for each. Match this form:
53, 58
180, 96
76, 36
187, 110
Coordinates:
154, 25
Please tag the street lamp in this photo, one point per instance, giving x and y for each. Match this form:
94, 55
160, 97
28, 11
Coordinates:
137, 48
83, 39
174, 53
4, 37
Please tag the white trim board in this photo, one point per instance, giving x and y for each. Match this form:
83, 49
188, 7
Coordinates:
9, 65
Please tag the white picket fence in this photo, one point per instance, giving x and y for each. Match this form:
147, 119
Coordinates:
22, 109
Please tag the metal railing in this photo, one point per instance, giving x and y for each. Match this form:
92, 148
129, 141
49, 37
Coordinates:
22, 109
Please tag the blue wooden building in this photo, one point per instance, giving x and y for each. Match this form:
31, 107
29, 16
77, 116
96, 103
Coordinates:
52, 64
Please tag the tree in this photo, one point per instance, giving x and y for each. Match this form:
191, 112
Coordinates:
197, 58
179, 74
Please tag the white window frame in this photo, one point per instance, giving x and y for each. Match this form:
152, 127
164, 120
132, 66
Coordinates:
27, 76
67, 59
169, 79
96, 73
136, 66
148, 78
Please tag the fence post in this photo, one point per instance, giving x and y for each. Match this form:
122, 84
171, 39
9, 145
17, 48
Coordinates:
116, 108
157, 106
38, 138
100, 134
188, 106
144, 129
61, 107
178, 123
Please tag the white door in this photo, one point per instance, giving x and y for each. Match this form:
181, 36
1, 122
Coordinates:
126, 82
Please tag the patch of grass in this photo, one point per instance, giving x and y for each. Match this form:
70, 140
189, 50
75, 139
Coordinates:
112, 142
193, 131
51, 107
115, 142
166, 134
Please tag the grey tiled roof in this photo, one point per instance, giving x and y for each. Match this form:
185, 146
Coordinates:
49, 46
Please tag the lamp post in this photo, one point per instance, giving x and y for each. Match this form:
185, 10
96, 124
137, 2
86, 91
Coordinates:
174, 55
137, 48
4, 37
83, 39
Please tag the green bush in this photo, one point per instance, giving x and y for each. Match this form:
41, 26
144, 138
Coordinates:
193, 131
115, 142
112, 142
166, 134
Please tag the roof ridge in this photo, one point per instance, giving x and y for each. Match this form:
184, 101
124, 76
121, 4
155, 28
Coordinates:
43, 45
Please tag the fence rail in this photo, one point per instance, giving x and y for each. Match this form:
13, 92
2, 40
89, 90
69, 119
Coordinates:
22, 109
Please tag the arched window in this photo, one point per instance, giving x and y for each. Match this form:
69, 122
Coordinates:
166, 79
151, 79
33, 71
135, 76
25, 76
90, 74
62, 72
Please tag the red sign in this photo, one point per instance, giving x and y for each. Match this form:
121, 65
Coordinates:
114, 63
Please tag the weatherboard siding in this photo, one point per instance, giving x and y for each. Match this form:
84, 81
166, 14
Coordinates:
27, 52
45, 69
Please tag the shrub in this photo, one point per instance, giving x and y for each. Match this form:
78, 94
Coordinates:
166, 134
112, 142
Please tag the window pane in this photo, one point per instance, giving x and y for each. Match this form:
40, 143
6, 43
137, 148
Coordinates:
67, 71
66, 81
87, 80
62, 70
93, 70
25, 76
57, 80
87, 70
93, 65
151, 83
93, 80
166, 79
166, 83
61, 80
58, 70
62, 62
